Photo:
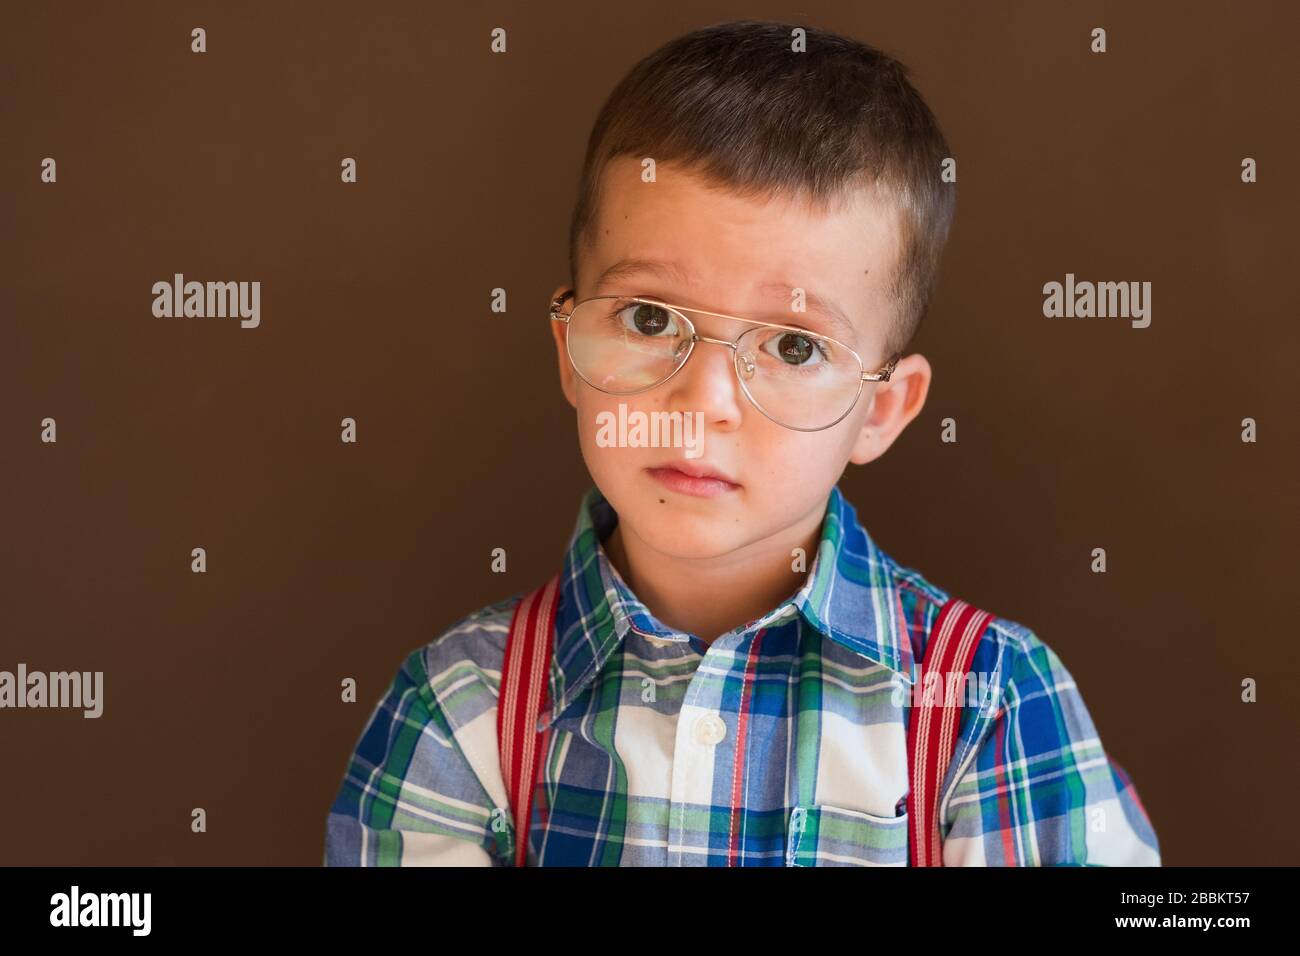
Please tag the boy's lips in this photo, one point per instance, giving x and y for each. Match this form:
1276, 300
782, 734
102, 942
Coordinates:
693, 478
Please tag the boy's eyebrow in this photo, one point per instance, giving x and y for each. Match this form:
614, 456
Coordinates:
675, 271
666, 268
815, 303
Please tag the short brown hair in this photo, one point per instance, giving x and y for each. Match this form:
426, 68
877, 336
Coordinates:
757, 118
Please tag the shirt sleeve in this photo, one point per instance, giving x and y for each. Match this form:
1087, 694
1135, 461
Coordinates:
1041, 790
410, 797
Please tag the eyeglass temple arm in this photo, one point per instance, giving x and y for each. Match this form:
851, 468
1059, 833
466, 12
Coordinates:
884, 373
556, 314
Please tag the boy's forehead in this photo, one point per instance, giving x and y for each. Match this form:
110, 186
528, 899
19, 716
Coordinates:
685, 237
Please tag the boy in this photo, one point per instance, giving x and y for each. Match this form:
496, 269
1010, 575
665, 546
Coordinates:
757, 235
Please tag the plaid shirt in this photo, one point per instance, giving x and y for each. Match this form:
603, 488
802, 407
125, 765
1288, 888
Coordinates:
779, 744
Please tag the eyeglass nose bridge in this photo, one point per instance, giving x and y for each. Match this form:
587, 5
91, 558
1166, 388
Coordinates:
696, 337
744, 374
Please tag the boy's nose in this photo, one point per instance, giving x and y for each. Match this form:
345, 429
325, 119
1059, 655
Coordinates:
707, 383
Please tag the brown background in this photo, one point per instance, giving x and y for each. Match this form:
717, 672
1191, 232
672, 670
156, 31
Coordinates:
328, 560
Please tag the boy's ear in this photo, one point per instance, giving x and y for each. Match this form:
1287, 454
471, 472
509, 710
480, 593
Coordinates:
893, 405
560, 332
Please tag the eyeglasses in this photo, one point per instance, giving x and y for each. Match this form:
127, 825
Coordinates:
624, 344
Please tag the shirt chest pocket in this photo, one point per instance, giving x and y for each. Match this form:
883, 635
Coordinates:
824, 835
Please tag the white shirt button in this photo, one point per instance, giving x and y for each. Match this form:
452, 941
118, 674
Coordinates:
710, 729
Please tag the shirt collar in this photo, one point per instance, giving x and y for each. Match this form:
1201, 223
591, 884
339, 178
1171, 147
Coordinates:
849, 596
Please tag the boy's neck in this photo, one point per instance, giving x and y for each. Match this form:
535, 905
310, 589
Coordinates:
708, 597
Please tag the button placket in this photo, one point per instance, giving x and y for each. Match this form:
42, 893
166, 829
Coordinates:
701, 730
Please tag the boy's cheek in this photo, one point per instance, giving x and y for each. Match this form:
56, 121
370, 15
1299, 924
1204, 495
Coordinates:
608, 464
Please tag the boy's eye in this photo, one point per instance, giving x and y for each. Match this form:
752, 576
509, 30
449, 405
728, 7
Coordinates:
648, 319
795, 349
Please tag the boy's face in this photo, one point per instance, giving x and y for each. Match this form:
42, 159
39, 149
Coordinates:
741, 257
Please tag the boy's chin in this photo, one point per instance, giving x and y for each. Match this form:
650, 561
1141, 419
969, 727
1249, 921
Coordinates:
693, 530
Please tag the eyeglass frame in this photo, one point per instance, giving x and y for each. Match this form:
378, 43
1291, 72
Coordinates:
880, 375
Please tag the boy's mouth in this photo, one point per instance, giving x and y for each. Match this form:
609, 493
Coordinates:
693, 478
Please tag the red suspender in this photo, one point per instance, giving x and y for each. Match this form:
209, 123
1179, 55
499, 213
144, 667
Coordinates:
931, 731
525, 674
932, 728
